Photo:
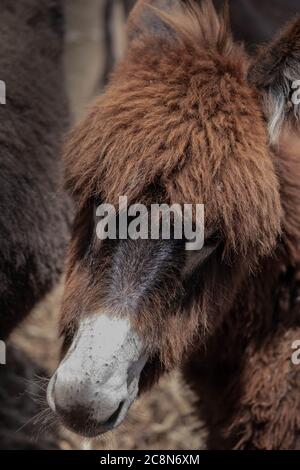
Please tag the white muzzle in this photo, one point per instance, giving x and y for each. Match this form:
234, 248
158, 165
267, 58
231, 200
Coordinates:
98, 380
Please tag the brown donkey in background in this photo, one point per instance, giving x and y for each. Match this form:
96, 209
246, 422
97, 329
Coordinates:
35, 216
188, 118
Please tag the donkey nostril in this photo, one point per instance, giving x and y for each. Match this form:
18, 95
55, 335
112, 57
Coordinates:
114, 417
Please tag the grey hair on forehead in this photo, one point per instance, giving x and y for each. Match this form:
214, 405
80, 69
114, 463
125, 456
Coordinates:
279, 105
274, 72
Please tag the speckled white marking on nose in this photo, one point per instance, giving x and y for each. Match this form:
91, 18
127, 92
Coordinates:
101, 370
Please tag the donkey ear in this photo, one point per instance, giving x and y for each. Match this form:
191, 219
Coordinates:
145, 20
276, 72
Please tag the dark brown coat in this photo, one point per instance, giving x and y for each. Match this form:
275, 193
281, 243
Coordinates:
187, 118
34, 213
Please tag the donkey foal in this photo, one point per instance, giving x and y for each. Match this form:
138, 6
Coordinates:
189, 118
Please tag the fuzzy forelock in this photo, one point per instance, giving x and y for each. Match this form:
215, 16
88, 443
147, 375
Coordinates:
198, 26
181, 114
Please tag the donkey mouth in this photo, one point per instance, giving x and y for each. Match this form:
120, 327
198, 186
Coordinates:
84, 424
88, 420
114, 421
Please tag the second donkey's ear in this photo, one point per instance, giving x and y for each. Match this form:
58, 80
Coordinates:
276, 72
145, 20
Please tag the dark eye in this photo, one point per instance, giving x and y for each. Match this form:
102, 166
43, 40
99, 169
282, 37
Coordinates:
83, 229
195, 259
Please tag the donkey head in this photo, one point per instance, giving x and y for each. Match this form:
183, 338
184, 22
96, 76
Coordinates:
180, 122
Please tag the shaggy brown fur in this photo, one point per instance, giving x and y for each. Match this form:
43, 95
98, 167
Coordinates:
253, 22
181, 122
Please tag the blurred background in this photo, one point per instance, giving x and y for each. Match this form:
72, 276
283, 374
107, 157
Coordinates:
163, 419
